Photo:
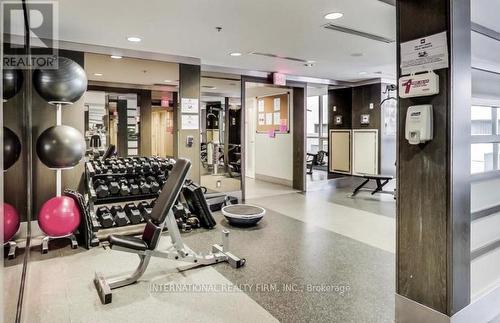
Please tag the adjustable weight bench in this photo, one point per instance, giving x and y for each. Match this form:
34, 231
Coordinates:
145, 247
381, 181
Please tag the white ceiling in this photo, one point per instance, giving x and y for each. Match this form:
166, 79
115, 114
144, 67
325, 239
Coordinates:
284, 27
130, 70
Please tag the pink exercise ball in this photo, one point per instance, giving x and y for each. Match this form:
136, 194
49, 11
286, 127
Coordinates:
10, 222
59, 216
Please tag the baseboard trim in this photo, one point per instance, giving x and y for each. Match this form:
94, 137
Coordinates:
409, 311
275, 180
482, 310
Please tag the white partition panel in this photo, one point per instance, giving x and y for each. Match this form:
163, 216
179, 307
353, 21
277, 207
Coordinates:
340, 151
365, 151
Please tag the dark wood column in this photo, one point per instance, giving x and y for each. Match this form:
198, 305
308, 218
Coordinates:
122, 136
299, 136
189, 88
433, 208
144, 98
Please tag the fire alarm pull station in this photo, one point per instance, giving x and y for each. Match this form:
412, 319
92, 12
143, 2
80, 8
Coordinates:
419, 124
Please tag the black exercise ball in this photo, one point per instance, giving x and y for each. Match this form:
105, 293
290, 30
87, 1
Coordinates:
11, 148
12, 83
60, 147
65, 85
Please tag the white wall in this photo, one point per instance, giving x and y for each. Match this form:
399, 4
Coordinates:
273, 156
485, 273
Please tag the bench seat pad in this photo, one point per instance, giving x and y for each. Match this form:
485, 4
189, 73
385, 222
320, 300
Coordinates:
128, 242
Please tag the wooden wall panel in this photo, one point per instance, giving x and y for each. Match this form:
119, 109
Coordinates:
145, 131
189, 87
299, 137
362, 97
431, 244
341, 99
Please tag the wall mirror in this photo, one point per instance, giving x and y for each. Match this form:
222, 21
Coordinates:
220, 131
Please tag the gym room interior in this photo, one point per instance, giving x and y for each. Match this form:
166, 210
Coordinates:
250, 161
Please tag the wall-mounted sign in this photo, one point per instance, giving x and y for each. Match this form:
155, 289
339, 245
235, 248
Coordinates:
419, 85
189, 105
190, 122
279, 79
365, 119
338, 120
424, 54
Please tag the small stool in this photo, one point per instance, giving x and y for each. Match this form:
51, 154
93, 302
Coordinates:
243, 214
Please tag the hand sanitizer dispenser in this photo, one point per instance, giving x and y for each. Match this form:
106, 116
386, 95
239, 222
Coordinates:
418, 128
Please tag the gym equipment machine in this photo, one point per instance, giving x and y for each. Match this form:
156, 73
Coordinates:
146, 246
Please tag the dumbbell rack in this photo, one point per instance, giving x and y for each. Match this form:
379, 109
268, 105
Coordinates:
93, 201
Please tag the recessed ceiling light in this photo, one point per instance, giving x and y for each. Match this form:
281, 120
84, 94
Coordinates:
210, 87
334, 15
98, 74
235, 54
134, 39
168, 81
116, 56
363, 73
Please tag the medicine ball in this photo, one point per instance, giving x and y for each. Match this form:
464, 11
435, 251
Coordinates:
11, 148
65, 85
12, 83
60, 147
59, 216
11, 222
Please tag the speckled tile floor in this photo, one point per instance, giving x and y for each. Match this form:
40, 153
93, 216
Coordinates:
314, 258
354, 282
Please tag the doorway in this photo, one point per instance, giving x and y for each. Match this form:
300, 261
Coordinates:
162, 134
274, 129
317, 136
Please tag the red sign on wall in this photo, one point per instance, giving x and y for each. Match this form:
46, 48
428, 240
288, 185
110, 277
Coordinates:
279, 79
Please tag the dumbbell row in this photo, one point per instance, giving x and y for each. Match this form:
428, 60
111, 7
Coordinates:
111, 186
118, 216
132, 165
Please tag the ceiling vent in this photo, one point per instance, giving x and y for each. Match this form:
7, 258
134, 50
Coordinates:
358, 33
301, 60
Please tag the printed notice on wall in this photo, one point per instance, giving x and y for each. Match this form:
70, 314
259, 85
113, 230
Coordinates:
261, 105
190, 122
424, 54
277, 118
277, 104
262, 119
189, 105
269, 119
